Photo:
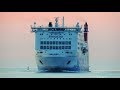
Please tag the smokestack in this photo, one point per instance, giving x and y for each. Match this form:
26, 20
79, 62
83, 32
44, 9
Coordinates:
86, 32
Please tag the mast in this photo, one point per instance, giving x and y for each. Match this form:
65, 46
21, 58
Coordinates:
56, 21
63, 22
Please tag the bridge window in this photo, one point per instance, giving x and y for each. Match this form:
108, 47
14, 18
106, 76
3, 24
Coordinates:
53, 47
69, 42
69, 47
41, 42
44, 47
59, 47
50, 42
47, 47
47, 42
66, 47
41, 47
56, 47
53, 42
63, 42
56, 42
44, 42
66, 42
50, 47
59, 42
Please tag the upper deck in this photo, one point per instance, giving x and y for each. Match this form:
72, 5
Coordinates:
57, 27
35, 29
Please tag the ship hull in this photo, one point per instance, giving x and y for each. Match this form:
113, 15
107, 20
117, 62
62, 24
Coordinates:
59, 64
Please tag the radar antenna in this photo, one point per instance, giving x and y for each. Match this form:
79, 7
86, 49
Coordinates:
56, 22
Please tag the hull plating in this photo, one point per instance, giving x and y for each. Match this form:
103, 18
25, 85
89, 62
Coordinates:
60, 64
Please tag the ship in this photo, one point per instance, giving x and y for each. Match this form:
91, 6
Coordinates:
61, 48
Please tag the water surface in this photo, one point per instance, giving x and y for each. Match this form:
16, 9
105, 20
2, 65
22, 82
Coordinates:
33, 73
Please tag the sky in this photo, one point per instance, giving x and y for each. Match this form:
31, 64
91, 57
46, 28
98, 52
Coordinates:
17, 42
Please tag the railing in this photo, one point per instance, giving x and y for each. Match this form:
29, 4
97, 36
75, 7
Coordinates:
56, 29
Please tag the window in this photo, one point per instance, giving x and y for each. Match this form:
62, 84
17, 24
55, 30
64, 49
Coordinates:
41, 42
50, 47
53, 42
69, 42
56, 47
50, 42
66, 42
56, 42
53, 47
62, 47
66, 47
47, 47
69, 47
59, 47
47, 42
44, 47
60, 42
44, 42
63, 42
41, 47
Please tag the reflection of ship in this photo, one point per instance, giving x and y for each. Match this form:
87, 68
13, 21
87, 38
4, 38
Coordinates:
60, 48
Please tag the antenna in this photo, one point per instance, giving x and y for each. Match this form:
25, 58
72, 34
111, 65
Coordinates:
34, 24
56, 21
63, 22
